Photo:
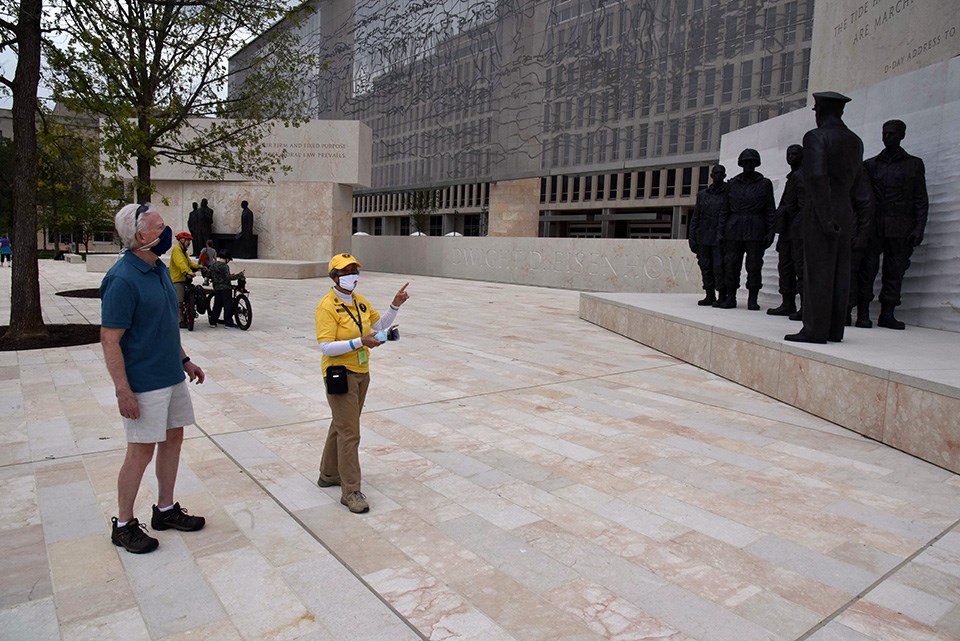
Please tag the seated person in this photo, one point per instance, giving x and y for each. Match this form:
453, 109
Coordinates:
220, 276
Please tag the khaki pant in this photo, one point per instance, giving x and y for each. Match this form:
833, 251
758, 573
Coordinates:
341, 453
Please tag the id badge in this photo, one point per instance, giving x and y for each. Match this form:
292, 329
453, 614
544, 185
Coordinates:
363, 356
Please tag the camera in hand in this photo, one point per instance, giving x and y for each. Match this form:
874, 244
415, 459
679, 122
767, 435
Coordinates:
392, 334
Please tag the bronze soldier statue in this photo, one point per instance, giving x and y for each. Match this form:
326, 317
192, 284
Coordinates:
790, 240
204, 225
746, 228
703, 234
193, 227
245, 237
900, 193
836, 205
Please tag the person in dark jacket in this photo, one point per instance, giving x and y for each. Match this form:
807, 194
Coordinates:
836, 208
790, 241
219, 273
746, 228
703, 234
900, 193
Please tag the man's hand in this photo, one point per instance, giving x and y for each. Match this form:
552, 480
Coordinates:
915, 239
127, 402
194, 372
370, 340
401, 297
693, 246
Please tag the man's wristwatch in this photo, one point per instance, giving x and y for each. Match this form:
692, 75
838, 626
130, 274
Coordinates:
186, 359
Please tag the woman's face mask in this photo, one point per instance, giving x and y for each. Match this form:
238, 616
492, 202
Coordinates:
348, 282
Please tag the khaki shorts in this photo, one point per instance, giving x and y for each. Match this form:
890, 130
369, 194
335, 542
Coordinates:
160, 410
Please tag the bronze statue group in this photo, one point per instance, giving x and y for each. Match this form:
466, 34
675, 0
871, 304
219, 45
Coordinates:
200, 224
840, 222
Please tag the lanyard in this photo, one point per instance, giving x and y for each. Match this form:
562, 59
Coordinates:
359, 322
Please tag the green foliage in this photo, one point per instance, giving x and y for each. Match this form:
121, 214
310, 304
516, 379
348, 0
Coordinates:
422, 204
72, 195
155, 73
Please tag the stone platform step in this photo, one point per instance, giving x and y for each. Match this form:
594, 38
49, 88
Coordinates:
901, 388
253, 268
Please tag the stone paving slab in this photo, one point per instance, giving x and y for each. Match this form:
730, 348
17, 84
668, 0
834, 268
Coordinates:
532, 477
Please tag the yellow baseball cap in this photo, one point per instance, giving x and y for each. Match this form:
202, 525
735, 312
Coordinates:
342, 260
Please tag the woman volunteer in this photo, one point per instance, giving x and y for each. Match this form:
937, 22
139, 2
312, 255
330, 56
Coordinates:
347, 329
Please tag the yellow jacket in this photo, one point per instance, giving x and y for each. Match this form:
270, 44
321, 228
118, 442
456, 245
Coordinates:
181, 265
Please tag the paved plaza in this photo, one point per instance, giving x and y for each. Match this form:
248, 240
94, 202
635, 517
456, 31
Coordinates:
532, 477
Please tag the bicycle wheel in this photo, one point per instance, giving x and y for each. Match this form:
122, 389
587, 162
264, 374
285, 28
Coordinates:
189, 310
242, 311
201, 300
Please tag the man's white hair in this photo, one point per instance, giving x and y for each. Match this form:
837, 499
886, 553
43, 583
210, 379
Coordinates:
125, 220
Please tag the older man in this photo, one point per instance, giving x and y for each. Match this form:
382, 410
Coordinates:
141, 347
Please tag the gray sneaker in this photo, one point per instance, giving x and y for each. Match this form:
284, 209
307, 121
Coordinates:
356, 502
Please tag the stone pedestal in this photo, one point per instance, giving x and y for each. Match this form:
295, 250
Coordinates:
514, 208
303, 215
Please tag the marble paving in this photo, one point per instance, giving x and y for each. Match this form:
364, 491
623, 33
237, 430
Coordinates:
532, 477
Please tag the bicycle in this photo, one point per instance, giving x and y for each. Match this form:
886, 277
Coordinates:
194, 303
242, 309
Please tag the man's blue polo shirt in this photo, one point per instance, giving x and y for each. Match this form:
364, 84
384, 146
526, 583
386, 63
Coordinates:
140, 299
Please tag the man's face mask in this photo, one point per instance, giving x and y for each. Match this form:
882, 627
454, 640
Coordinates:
161, 243
348, 282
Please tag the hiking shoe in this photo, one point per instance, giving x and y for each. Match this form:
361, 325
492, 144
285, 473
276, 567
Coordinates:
133, 537
176, 518
323, 481
356, 502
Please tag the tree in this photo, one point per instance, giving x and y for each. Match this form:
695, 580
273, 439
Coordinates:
423, 204
73, 196
154, 72
22, 33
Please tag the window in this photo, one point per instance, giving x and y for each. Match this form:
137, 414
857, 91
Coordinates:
686, 184
600, 189
693, 78
790, 24
671, 183
786, 73
658, 139
689, 136
744, 120
553, 189
770, 28
564, 188
612, 195
766, 75
706, 133
805, 71
655, 184
746, 79
626, 185
472, 224
436, 225
709, 87
731, 37
704, 180
405, 226
576, 189
628, 143
641, 183
674, 139
588, 188
726, 94
378, 226
642, 136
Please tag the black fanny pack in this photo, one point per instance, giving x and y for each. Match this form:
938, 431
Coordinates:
336, 379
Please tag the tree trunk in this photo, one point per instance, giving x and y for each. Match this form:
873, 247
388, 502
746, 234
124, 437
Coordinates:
26, 318
143, 170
